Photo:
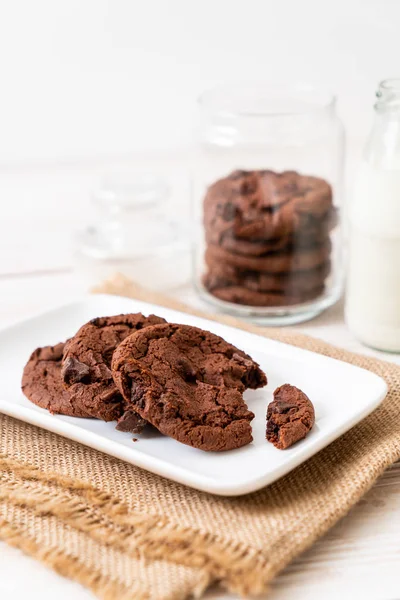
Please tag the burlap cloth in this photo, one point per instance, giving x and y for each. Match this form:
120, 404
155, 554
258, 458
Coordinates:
130, 535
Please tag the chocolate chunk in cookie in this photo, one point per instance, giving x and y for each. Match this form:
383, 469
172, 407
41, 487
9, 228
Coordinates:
131, 422
73, 371
290, 416
188, 383
42, 383
86, 364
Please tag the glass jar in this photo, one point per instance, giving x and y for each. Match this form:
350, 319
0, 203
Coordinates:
267, 196
136, 231
372, 305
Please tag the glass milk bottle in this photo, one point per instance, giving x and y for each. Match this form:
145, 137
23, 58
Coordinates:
373, 287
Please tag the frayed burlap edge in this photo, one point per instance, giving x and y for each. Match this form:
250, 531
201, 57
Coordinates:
138, 534
66, 565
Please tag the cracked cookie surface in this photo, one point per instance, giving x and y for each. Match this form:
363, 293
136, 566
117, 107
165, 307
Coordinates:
290, 416
264, 205
188, 383
86, 365
42, 384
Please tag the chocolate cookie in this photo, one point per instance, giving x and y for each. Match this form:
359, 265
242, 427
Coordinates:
277, 262
220, 275
241, 295
86, 365
188, 383
42, 384
301, 240
264, 205
229, 242
290, 416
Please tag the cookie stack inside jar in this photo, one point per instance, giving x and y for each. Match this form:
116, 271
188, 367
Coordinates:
268, 238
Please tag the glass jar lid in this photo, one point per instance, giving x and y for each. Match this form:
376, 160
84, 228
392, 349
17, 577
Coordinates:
132, 217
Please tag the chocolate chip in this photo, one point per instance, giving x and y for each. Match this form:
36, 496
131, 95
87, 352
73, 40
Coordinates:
186, 370
248, 187
228, 212
272, 428
137, 393
110, 395
73, 371
130, 422
283, 407
96, 321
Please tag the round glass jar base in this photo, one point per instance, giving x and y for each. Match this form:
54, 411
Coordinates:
273, 316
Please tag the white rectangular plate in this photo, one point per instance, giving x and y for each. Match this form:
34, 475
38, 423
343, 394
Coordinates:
342, 395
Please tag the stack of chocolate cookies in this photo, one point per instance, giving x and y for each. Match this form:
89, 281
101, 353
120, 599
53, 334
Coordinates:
268, 237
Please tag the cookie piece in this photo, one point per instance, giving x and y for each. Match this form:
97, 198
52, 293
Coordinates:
86, 364
290, 416
42, 384
265, 205
188, 383
241, 295
220, 275
277, 262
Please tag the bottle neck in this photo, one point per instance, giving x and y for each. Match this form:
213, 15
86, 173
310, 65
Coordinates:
388, 98
383, 146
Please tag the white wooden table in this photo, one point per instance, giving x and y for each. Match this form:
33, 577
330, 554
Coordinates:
360, 557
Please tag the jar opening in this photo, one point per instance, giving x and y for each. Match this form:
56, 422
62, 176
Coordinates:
392, 85
265, 100
388, 95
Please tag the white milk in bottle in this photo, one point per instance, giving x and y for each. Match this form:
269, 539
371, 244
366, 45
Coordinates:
373, 283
